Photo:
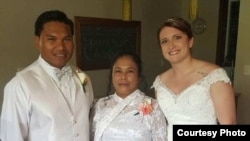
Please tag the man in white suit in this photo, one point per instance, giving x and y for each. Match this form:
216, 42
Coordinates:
48, 100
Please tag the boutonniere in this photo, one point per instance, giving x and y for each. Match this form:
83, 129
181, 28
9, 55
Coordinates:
83, 79
146, 107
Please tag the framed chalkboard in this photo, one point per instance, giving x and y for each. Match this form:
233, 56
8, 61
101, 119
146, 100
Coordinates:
99, 39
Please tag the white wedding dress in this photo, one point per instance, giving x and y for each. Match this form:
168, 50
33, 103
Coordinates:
191, 106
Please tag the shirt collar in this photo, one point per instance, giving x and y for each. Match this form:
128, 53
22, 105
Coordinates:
54, 72
119, 99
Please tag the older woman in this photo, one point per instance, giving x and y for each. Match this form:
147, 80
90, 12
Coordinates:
128, 114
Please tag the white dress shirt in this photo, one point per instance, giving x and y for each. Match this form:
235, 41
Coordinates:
39, 106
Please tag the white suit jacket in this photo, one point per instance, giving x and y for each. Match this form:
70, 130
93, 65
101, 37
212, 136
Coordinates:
35, 110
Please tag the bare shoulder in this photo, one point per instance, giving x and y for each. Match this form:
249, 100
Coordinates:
206, 67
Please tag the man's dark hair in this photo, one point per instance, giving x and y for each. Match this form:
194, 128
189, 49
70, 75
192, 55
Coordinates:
54, 15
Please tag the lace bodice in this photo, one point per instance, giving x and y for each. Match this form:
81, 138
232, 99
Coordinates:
129, 124
191, 106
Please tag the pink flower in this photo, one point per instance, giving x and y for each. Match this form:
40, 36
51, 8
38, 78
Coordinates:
146, 107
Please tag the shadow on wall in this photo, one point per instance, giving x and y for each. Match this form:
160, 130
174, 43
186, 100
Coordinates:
242, 111
230, 73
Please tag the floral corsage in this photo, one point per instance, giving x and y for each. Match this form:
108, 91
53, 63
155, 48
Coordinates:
83, 79
146, 107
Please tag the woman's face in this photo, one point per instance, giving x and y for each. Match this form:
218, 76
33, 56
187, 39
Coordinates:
125, 76
175, 44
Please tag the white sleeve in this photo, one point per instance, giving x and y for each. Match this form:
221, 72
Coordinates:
159, 124
15, 112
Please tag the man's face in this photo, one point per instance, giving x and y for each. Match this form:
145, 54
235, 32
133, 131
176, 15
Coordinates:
55, 43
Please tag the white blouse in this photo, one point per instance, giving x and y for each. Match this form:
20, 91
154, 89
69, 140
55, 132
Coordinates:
117, 119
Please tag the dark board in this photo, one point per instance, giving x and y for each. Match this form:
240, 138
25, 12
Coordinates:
99, 39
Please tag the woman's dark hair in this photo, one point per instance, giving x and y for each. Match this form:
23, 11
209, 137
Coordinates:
137, 60
178, 23
54, 15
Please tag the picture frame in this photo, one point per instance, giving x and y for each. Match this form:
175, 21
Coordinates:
99, 39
